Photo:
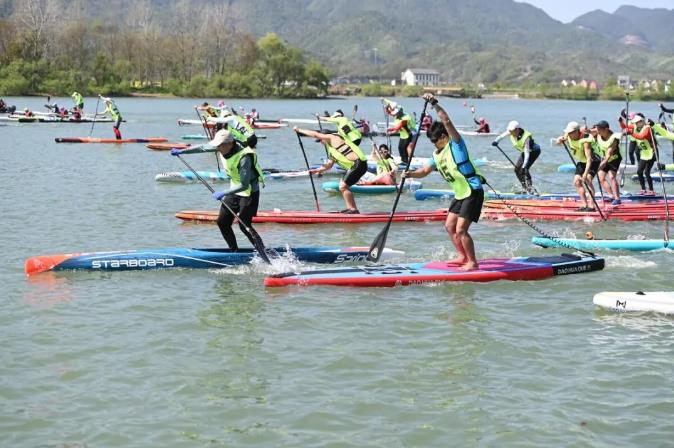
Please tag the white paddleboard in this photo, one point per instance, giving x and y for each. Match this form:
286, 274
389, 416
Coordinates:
659, 301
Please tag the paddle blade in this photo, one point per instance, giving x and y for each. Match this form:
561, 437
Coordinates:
377, 247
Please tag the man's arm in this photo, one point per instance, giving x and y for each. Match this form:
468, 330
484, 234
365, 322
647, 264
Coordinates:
443, 117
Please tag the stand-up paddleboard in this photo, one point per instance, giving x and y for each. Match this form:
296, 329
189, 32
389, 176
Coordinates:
188, 176
333, 187
628, 169
307, 217
424, 194
205, 137
212, 121
658, 302
159, 146
595, 244
109, 140
476, 134
175, 257
519, 268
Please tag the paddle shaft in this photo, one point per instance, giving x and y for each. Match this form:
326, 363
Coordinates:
95, 114
379, 242
627, 139
311, 177
662, 182
257, 240
587, 187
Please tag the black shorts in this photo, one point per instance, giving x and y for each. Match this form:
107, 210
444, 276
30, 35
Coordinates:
470, 207
594, 166
354, 173
613, 165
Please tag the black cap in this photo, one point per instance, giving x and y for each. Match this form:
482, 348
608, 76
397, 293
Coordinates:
603, 124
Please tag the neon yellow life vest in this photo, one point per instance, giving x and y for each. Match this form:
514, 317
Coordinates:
405, 130
645, 147
340, 156
346, 129
663, 132
113, 111
243, 126
384, 166
605, 145
449, 170
578, 147
519, 144
232, 169
77, 99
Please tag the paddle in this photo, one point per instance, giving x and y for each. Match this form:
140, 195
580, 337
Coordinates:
93, 122
512, 163
627, 139
664, 191
379, 156
257, 240
320, 126
587, 187
388, 136
311, 177
379, 242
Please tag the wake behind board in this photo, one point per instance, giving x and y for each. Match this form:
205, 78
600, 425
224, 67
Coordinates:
518, 268
176, 257
658, 302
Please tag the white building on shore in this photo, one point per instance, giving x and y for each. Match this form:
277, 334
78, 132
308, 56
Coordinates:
420, 77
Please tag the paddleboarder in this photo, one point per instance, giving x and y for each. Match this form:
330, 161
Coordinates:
523, 141
111, 108
404, 125
452, 161
608, 143
482, 126
641, 132
663, 124
78, 100
348, 156
386, 167
243, 196
584, 151
345, 127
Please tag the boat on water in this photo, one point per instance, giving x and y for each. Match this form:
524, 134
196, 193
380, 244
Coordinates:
197, 258
425, 273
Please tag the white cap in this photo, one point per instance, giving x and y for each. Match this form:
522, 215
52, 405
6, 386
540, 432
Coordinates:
571, 126
222, 136
637, 118
513, 125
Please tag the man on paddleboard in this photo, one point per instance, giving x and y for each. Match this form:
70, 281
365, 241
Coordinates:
404, 125
111, 108
523, 141
583, 149
348, 156
243, 196
646, 145
78, 100
452, 161
608, 143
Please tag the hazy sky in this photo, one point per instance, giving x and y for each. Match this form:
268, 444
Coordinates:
567, 10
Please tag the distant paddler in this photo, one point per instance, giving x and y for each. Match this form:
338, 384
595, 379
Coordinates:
240, 129
404, 124
115, 114
523, 141
583, 149
209, 110
243, 196
608, 143
346, 129
386, 167
78, 101
662, 124
346, 155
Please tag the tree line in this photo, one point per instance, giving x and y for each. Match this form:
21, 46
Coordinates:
47, 47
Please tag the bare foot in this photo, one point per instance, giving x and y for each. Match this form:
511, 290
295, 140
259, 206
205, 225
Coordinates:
458, 260
469, 266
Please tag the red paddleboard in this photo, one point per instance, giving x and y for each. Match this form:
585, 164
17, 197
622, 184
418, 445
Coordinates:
109, 140
307, 217
166, 146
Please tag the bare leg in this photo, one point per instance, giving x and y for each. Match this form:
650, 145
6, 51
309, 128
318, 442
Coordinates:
580, 189
450, 226
615, 189
467, 243
348, 195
